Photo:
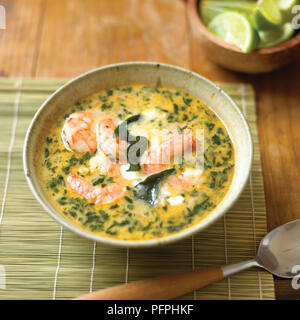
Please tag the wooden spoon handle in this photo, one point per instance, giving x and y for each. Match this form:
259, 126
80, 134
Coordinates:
160, 288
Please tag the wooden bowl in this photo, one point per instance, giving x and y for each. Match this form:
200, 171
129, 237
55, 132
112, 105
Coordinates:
230, 57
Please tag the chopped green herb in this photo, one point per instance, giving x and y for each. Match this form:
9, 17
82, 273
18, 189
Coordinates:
220, 131
127, 89
47, 152
99, 180
104, 215
187, 101
128, 199
49, 140
209, 125
106, 106
216, 139
130, 206
171, 229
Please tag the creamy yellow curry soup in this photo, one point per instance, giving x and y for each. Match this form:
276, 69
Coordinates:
137, 162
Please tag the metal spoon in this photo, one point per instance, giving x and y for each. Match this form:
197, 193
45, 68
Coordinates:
278, 253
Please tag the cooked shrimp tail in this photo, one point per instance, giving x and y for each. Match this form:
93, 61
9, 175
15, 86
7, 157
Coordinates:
112, 147
78, 133
158, 158
97, 195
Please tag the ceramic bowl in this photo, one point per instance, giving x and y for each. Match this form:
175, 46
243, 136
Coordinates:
230, 57
124, 74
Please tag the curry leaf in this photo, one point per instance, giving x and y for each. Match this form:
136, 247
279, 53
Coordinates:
121, 129
148, 189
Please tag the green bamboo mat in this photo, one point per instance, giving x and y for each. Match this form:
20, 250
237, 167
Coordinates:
41, 260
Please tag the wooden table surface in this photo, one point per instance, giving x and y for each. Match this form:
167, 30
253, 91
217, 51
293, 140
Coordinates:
55, 38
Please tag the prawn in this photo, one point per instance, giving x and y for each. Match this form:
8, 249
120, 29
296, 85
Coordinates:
85, 132
188, 179
177, 145
78, 132
157, 158
98, 195
112, 147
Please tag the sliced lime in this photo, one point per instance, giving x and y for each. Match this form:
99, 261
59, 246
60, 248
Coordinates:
235, 28
275, 36
266, 15
210, 8
286, 7
207, 13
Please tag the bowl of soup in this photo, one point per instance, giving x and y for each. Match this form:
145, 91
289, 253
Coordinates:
137, 154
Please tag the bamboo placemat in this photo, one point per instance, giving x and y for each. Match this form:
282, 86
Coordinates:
41, 260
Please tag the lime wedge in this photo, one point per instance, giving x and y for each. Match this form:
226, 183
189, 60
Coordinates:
207, 13
235, 28
275, 36
266, 15
210, 8
286, 7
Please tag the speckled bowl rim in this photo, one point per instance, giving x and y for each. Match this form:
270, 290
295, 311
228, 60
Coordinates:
185, 233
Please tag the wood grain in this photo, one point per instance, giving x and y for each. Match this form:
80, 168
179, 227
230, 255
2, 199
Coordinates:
19, 41
105, 32
64, 38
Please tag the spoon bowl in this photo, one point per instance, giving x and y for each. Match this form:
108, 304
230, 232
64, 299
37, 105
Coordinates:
279, 250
